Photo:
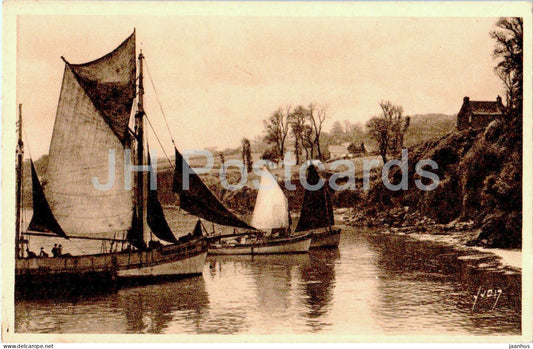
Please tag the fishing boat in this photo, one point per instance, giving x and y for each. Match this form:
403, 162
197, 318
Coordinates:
271, 219
316, 215
92, 140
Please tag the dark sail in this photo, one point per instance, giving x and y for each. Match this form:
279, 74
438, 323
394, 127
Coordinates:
42, 219
199, 200
317, 210
198, 229
110, 84
156, 218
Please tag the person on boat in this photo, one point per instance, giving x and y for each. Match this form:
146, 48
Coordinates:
30, 253
59, 250
54, 250
43, 254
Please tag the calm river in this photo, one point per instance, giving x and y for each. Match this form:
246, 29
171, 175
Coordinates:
373, 284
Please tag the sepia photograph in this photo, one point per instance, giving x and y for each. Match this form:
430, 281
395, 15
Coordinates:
266, 172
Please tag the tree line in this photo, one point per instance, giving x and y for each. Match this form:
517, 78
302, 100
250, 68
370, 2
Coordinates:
304, 126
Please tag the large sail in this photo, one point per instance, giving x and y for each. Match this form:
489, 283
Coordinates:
156, 218
317, 210
42, 219
271, 209
90, 126
199, 200
110, 84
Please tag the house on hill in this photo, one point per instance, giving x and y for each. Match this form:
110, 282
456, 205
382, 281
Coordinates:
339, 151
478, 114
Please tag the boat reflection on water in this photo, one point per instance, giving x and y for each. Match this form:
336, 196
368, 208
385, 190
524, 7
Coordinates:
374, 284
319, 282
143, 309
152, 308
280, 288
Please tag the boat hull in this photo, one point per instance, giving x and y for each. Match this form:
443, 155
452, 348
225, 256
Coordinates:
100, 272
326, 239
190, 265
299, 244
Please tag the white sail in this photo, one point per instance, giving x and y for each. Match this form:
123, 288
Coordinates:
91, 120
271, 206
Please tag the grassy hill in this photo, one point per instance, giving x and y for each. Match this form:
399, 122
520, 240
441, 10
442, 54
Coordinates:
429, 126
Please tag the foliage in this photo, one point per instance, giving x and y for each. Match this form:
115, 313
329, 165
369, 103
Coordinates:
277, 129
297, 122
388, 130
509, 51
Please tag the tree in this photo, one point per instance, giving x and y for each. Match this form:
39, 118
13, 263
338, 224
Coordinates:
297, 121
317, 115
277, 128
337, 132
379, 131
509, 51
354, 132
247, 154
388, 129
308, 142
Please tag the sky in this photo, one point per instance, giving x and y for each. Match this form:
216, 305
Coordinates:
218, 78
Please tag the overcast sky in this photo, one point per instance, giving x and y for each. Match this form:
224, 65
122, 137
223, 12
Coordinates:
218, 78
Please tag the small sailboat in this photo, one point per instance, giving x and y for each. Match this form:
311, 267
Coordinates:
316, 215
92, 125
271, 218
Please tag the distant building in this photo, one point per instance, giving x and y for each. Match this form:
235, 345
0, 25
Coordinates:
339, 151
478, 114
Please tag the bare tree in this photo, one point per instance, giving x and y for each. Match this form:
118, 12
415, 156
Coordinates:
317, 115
297, 121
277, 128
388, 129
308, 142
379, 131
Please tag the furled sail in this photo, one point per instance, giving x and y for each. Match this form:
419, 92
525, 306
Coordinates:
271, 209
90, 128
156, 218
199, 200
317, 210
42, 219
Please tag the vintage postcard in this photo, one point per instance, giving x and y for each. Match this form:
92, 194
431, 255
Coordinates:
266, 171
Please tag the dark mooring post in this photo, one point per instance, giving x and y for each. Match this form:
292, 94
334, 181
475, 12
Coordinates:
20, 158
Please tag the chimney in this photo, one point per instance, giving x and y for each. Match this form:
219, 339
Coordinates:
499, 100
466, 100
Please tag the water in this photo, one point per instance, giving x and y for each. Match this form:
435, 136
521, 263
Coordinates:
373, 284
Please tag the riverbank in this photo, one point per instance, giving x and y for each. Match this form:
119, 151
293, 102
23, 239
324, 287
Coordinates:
459, 235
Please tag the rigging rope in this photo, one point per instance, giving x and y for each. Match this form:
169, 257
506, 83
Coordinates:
158, 141
159, 102
23, 216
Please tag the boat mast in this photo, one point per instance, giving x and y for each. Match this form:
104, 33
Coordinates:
20, 158
139, 128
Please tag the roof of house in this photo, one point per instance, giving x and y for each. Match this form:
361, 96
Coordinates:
338, 149
485, 108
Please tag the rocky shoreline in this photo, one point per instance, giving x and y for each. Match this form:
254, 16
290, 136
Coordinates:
462, 235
